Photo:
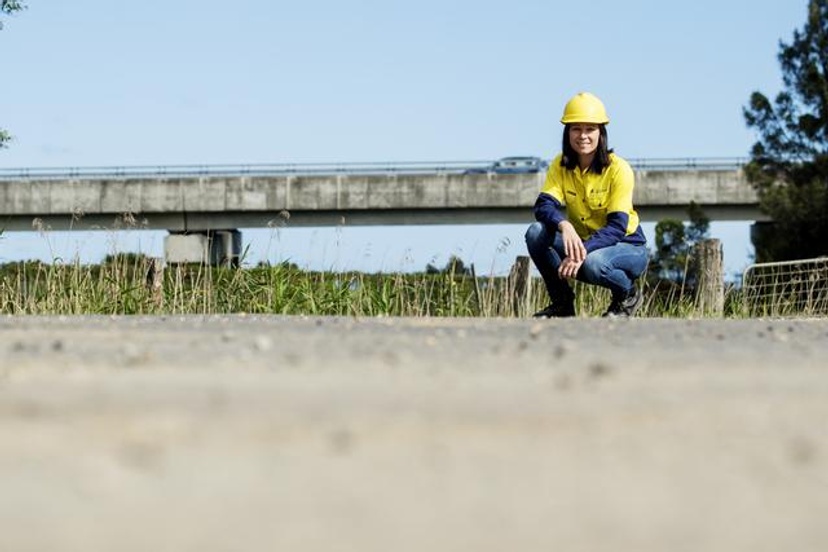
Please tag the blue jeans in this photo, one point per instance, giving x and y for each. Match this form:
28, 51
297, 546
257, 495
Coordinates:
615, 267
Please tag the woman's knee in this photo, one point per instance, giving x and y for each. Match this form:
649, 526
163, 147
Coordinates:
536, 235
592, 269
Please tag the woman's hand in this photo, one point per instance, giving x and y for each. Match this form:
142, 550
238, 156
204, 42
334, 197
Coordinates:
569, 268
573, 245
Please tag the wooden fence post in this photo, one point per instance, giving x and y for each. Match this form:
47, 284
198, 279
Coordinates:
520, 284
155, 280
710, 278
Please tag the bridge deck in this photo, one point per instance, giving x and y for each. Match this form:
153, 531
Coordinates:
182, 203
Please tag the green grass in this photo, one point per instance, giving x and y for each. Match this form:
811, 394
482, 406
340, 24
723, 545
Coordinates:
127, 284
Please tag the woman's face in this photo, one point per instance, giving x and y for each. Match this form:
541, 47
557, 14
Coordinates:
583, 137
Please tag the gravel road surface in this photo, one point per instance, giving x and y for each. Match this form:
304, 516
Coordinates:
234, 433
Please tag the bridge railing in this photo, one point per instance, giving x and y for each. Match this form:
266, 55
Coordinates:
688, 163
254, 169
311, 169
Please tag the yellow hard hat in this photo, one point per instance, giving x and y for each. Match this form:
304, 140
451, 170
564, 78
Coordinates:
585, 108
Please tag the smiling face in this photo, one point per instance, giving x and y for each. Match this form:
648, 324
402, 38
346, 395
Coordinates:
584, 138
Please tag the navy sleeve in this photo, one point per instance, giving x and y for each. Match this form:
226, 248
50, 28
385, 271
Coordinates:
549, 211
614, 231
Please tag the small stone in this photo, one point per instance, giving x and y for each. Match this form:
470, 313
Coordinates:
341, 441
802, 451
390, 358
562, 349
599, 370
263, 343
133, 356
563, 382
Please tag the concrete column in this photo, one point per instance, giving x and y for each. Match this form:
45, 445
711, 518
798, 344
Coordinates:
213, 247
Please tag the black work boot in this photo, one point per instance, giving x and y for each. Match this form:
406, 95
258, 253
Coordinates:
625, 307
562, 306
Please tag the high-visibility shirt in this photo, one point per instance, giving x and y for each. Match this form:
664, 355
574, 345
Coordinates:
599, 206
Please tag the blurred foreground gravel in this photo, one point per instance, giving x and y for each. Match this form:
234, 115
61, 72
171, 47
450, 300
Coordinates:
232, 433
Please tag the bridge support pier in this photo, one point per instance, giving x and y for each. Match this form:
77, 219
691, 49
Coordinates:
213, 247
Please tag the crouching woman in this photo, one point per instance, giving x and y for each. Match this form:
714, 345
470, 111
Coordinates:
586, 227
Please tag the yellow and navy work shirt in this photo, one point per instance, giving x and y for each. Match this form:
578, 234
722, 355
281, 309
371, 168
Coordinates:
599, 206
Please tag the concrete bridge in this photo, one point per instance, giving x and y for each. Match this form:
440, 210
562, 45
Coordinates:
203, 209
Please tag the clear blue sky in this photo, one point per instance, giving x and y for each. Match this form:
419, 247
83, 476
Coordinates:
94, 82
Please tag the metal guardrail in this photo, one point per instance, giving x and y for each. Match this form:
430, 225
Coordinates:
263, 169
318, 169
689, 163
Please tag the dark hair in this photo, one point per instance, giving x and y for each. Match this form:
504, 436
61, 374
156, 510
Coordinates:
601, 161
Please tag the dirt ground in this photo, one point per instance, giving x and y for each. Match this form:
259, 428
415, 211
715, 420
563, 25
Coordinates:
234, 433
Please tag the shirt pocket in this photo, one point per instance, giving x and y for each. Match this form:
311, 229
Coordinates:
598, 198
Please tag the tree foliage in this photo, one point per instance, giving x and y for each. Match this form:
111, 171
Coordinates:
455, 266
789, 162
8, 7
674, 243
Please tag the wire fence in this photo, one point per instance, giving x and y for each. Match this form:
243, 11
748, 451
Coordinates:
321, 169
790, 288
